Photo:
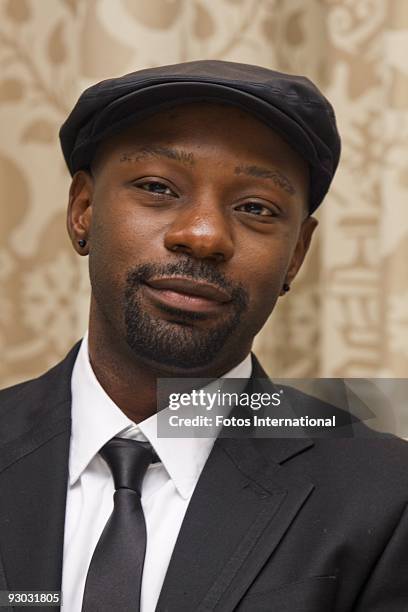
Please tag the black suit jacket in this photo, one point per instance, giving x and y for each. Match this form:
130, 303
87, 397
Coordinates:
282, 525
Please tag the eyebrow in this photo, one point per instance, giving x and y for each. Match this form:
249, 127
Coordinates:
277, 177
185, 157
158, 151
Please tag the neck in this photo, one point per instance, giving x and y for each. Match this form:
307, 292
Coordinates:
131, 382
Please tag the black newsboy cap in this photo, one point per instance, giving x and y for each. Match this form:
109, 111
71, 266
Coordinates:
291, 105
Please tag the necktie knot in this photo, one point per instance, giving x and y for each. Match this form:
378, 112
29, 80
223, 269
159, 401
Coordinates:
128, 461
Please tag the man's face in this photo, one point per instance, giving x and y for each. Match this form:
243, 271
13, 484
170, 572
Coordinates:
195, 218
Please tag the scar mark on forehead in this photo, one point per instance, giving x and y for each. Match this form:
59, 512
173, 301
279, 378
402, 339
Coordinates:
279, 179
142, 153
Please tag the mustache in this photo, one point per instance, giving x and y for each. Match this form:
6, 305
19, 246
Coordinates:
195, 270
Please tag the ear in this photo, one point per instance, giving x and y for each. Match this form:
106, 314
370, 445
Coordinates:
302, 246
79, 212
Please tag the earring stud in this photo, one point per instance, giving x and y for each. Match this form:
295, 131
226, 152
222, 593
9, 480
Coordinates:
82, 243
286, 287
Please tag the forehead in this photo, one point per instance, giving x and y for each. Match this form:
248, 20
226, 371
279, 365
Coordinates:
199, 124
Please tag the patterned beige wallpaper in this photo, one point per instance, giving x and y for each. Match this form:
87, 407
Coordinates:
347, 315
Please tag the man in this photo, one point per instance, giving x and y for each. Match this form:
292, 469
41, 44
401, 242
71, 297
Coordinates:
192, 194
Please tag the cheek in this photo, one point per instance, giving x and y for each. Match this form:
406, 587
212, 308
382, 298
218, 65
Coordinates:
119, 241
265, 274
268, 260
266, 286
122, 236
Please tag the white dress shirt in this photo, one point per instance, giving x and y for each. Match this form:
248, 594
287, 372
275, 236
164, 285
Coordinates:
166, 492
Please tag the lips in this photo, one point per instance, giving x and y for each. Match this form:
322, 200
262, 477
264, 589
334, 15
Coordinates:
186, 294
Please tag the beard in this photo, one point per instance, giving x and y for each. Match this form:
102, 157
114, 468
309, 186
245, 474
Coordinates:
179, 343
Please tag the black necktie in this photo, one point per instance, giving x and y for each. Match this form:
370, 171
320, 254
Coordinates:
115, 572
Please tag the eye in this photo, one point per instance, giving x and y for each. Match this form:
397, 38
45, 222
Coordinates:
256, 208
155, 187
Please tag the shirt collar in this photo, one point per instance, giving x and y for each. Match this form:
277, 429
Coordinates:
96, 419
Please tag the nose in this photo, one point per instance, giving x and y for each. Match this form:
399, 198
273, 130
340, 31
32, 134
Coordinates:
201, 231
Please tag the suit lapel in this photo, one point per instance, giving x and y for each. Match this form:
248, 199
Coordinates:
34, 450
243, 504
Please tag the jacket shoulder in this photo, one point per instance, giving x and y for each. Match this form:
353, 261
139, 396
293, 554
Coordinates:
24, 402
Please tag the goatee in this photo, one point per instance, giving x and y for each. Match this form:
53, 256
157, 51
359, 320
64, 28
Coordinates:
180, 343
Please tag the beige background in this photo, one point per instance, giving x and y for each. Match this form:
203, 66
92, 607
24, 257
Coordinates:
347, 315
